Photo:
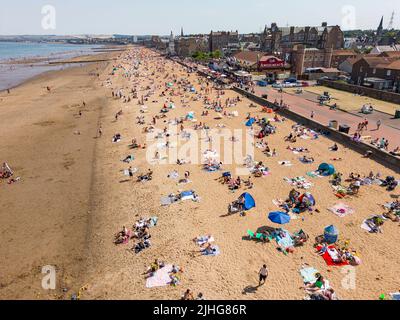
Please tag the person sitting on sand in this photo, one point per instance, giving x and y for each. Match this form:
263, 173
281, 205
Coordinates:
188, 295
128, 159
122, 236
156, 265
334, 147
317, 285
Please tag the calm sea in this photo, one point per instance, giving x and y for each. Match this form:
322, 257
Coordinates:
18, 50
13, 74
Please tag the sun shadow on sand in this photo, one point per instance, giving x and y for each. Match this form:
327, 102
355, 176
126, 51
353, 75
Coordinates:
250, 290
124, 181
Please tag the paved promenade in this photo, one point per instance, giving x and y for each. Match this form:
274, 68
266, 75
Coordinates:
390, 128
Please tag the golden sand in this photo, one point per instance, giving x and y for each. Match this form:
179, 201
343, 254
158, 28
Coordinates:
72, 199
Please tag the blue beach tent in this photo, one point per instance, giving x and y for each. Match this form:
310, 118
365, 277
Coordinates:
326, 169
331, 234
250, 122
249, 202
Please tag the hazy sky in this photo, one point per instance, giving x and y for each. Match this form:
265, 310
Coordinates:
196, 16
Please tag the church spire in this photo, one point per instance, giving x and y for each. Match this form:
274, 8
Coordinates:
380, 28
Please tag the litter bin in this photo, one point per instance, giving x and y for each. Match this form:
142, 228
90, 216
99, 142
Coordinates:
344, 128
333, 124
397, 114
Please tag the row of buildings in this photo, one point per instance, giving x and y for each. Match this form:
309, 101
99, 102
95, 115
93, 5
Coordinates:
309, 52
277, 40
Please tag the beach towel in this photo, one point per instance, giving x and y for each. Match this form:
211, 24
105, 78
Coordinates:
308, 274
365, 226
301, 159
285, 163
341, 210
153, 221
161, 277
215, 253
187, 195
286, 241
313, 174
330, 255
204, 239
395, 296
299, 182
166, 201
173, 175
129, 235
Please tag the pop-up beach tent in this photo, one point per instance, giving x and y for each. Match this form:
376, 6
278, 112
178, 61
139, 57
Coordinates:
250, 122
331, 234
326, 169
249, 201
307, 197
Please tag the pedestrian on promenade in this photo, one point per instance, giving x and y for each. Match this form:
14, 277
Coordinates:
263, 273
378, 124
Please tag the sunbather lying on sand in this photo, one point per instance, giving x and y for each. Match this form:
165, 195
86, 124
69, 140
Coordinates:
122, 236
306, 159
317, 286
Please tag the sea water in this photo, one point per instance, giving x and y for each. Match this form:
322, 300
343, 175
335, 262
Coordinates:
13, 73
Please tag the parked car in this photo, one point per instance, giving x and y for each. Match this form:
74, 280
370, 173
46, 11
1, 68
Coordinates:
290, 80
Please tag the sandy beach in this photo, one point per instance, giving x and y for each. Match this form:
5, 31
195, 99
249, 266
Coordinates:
72, 197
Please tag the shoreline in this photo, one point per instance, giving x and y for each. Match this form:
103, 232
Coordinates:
43, 64
62, 65
51, 223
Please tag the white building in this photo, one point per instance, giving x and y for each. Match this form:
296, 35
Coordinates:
171, 44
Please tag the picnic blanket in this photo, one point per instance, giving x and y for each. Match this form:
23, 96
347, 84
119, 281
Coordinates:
308, 274
330, 255
341, 210
160, 278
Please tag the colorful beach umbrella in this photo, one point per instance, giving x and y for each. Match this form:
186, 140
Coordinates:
279, 217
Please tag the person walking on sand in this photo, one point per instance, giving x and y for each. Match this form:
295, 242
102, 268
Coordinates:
100, 132
263, 273
312, 114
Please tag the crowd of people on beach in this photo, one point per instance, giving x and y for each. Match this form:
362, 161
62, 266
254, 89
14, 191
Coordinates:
172, 89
